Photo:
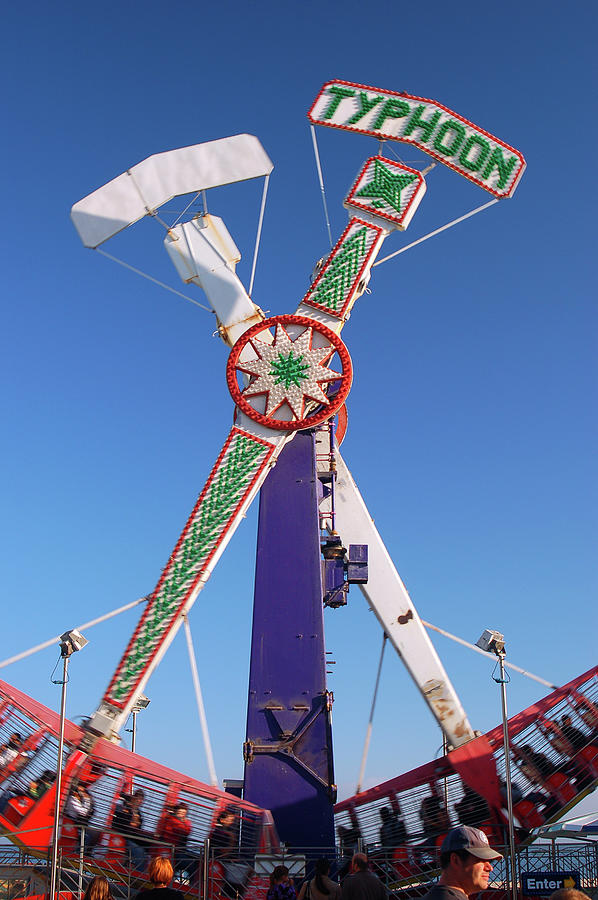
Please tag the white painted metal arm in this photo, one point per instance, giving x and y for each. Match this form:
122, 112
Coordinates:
203, 252
147, 186
394, 609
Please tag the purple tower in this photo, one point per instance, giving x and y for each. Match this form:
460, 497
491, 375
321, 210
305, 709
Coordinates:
288, 749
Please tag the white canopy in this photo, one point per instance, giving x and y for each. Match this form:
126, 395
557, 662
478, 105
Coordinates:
153, 182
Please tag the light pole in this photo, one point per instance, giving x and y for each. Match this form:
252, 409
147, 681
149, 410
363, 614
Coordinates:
494, 642
142, 702
70, 642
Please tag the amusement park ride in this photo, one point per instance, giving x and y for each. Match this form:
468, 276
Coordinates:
289, 377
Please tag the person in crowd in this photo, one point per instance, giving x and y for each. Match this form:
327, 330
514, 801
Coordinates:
98, 889
538, 768
466, 860
434, 817
223, 839
472, 808
348, 839
224, 843
568, 894
535, 765
175, 830
10, 750
575, 736
361, 884
539, 798
516, 794
128, 820
79, 808
38, 787
79, 805
321, 886
126, 806
281, 885
588, 713
160, 875
392, 832
177, 825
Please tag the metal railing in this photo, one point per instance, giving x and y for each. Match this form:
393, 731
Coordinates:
207, 873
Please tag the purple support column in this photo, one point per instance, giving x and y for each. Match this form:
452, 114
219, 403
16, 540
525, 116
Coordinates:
288, 752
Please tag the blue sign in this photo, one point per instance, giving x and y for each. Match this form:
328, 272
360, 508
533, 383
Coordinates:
542, 884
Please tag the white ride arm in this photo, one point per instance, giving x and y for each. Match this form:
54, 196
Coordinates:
394, 609
204, 253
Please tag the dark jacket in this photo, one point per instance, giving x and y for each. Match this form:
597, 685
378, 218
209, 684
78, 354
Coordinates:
363, 885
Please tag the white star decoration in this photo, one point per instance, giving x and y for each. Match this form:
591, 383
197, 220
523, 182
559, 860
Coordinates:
289, 371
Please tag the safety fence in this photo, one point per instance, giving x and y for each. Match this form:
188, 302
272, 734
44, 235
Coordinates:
205, 872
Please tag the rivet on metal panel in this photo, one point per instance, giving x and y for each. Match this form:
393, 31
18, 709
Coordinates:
402, 620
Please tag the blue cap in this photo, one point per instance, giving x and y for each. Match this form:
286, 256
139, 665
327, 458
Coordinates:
471, 839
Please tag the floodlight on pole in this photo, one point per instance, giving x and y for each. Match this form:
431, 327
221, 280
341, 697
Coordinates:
142, 702
494, 642
70, 642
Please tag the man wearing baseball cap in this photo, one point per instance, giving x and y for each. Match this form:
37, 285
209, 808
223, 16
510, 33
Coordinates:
466, 860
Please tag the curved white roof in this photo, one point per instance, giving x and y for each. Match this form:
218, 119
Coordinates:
153, 182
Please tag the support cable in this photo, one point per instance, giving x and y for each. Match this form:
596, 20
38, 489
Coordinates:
259, 233
167, 287
149, 209
191, 202
200, 704
368, 734
322, 189
83, 627
436, 231
477, 649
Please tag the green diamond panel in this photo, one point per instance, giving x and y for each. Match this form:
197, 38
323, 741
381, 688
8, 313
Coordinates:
334, 287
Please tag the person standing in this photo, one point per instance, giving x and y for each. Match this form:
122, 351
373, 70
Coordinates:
466, 861
160, 874
320, 887
281, 885
362, 884
98, 889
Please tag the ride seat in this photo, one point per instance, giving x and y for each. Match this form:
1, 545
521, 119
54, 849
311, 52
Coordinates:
527, 814
560, 787
69, 836
112, 847
17, 807
493, 831
588, 758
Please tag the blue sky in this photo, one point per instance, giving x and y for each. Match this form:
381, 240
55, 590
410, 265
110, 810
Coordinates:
472, 430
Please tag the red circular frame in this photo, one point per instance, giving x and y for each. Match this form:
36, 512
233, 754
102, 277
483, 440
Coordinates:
322, 413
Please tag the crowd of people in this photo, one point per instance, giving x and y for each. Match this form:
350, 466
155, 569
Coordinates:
466, 863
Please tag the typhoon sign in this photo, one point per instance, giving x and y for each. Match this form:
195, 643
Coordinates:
435, 129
